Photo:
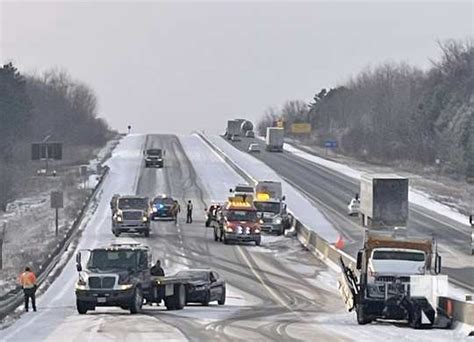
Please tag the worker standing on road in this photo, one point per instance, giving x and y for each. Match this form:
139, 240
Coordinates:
27, 281
175, 210
189, 212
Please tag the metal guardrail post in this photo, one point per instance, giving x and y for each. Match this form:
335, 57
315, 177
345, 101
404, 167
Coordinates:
2, 238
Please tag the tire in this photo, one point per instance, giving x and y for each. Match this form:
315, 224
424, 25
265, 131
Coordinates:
221, 301
215, 236
258, 242
362, 317
207, 299
136, 301
147, 233
225, 240
81, 307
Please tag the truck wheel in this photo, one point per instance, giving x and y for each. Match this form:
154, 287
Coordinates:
147, 233
81, 307
136, 301
221, 301
178, 300
226, 242
361, 315
258, 242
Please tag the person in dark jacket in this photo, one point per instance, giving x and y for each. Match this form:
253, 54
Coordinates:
156, 269
189, 212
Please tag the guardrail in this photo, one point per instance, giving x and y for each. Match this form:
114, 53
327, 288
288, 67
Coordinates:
14, 298
461, 311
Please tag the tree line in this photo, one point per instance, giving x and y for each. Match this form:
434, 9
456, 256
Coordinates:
33, 107
396, 112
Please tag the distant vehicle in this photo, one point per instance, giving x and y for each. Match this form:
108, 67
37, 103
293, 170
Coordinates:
250, 134
395, 281
274, 139
154, 157
383, 201
119, 275
130, 214
237, 221
254, 148
211, 213
353, 208
203, 286
161, 208
271, 209
233, 129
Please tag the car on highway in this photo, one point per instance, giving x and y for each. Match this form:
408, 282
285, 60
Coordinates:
250, 134
203, 286
237, 221
211, 213
254, 148
154, 157
353, 208
161, 208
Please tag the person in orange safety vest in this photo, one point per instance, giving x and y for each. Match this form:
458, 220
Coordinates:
28, 283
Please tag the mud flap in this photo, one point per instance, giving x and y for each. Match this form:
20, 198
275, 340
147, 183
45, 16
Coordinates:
348, 286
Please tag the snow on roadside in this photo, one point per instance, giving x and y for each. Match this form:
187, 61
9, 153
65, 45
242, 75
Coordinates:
417, 197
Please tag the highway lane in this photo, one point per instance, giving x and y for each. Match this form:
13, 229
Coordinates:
266, 293
331, 191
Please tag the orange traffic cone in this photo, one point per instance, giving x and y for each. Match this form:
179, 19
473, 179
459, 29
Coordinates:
339, 243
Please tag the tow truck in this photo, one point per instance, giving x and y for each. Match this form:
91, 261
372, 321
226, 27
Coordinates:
395, 279
119, 275
237, 221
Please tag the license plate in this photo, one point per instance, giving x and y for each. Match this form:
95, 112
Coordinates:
101, 299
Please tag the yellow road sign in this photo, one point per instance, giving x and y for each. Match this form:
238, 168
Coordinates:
301, 128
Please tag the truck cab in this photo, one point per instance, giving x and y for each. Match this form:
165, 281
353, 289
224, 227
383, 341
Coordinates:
119, 275
270, 206
154, 157
131, 215
386, 270
237, 221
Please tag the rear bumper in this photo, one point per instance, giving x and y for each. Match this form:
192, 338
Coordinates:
154, 163
161, 215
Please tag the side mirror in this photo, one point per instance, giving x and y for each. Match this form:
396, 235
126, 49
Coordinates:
78, 262
437, 265
359, 260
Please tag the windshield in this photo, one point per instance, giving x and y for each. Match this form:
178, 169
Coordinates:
241, 215
398, 255
164, 201
267, 207
154, 153
108, 260
195, 275
132, 203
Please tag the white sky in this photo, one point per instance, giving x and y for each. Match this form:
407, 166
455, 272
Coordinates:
176, 67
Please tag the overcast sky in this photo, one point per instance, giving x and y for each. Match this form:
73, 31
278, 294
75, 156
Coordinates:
177, 67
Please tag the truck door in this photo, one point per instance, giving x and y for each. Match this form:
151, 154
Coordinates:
348, 286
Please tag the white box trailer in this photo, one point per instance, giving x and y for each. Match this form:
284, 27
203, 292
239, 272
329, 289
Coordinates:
275, 139
383, 201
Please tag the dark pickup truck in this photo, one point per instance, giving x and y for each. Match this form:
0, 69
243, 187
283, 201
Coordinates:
154, 157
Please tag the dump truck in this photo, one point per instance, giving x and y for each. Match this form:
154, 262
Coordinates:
119, 275
383, 201
274, 139
271, 209
396, 278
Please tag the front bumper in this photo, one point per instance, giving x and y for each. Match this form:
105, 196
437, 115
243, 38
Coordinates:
272, 227
242, 237
105, 297
131, 226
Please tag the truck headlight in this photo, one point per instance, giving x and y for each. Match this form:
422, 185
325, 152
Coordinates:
125, 286
257, 231
155, 209
81, 284
119, 218
277, 220
144, 219
229, 229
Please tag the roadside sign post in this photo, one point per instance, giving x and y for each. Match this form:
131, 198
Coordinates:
56, 203
2, 238
330, 144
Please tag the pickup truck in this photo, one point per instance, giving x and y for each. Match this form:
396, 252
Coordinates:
119, 275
